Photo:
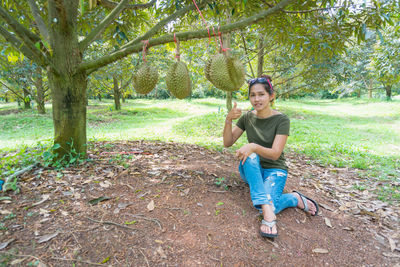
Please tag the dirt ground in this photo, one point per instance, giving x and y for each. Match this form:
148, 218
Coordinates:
167, 204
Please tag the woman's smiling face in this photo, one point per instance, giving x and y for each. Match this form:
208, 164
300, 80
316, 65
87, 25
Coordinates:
259, 97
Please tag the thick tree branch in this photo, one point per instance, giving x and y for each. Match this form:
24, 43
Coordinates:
162, 23
20, 30
26, 50
9, 88
316, 9
110, 4
28, 39
246, 53
289, 79
102, 25
38, 19
279, 94
183, 36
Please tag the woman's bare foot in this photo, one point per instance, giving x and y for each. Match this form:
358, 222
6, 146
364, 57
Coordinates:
269, 216
312, 209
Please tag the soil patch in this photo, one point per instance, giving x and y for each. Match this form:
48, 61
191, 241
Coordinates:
168, 204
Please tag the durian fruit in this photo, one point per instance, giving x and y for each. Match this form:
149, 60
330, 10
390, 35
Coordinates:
225, 72
207, 69
178, 80
145, 79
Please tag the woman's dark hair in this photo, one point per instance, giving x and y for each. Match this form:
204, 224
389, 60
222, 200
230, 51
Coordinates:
265, 80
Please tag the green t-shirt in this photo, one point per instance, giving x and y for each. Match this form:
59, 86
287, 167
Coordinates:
263, 132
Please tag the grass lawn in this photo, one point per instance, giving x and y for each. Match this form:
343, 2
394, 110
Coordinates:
345, 133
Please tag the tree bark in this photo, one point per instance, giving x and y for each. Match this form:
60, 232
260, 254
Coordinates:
68, 86
27, 100
39, 91
388, 89
117, 94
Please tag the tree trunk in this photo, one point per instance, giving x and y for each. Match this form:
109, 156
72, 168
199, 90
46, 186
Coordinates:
370, 88
68, 85
69, 112
27, 100
39, 91
388, 89
260, 63
99, 96
117, 103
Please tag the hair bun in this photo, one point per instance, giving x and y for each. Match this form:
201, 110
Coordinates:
267, 77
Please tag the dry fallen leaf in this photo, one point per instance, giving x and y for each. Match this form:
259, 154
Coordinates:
391, 243
5, 244
64, 213
161, 252
328, 222
391, 255
320, 250
5, 212
105, 184
44, 198
46, 238
150, 206
326, 207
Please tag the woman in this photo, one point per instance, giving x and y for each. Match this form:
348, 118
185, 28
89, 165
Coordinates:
262, 162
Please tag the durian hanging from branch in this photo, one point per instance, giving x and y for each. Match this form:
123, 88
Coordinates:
178, 78
224, 71
146, 78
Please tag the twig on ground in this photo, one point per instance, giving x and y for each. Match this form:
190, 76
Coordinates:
112, 223
215, 191
273, 243
140, 216
129, 186
16, 174
144, 257
215, 259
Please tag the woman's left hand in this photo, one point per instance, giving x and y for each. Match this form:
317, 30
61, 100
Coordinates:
245, 151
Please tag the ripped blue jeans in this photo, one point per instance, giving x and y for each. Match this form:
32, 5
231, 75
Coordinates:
266, 185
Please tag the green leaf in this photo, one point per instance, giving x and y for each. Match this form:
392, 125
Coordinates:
380, 36
55, 146
106, 260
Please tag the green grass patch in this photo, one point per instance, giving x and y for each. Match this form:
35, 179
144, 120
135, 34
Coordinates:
353, 133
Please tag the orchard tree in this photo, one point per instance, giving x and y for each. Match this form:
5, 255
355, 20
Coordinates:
385, 59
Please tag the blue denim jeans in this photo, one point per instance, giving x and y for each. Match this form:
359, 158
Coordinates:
266, 185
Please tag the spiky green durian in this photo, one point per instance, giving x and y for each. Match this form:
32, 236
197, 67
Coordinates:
178, 80
145, 79
225, 73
